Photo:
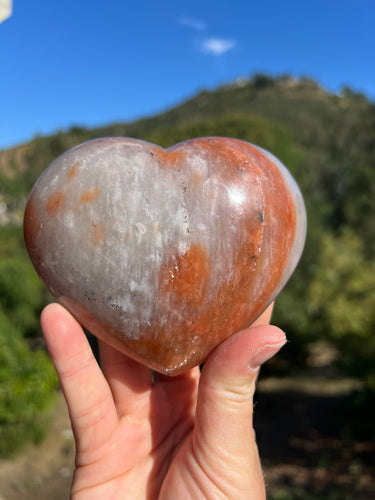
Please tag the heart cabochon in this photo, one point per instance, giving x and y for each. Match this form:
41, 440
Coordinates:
164, 253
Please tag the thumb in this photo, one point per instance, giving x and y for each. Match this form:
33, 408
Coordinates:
223, 431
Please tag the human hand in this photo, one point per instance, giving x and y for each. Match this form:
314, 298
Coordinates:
183, 437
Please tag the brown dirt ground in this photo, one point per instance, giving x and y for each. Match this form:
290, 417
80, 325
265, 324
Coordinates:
42, 472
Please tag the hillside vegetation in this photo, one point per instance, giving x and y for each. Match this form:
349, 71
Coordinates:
328, 143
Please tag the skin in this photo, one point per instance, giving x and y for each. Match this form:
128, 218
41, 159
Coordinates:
185, 437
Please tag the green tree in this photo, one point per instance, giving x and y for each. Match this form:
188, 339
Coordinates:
27, 388
22, 294
342, 303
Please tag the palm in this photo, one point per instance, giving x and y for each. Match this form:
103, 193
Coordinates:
138, 439
131, 446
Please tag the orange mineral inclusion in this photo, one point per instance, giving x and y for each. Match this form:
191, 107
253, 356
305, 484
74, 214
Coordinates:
55, 203
185, 277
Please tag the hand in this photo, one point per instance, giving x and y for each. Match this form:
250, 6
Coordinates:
183, 437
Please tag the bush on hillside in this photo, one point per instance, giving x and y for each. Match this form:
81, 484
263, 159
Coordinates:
27, 387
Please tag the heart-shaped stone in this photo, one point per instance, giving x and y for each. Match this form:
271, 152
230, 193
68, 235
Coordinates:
165, 253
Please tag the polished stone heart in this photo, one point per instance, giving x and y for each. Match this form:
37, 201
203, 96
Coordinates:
165, 253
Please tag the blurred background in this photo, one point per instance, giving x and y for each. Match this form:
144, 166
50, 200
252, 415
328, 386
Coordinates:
298, 79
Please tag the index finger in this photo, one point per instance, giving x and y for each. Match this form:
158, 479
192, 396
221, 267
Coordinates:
85, 388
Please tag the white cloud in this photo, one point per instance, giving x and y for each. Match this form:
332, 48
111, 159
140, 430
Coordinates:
217, 46
196, 24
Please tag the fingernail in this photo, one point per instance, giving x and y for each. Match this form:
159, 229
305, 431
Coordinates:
263, 354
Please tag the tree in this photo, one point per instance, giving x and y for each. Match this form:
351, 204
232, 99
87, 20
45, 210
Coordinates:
27, 387
342, 303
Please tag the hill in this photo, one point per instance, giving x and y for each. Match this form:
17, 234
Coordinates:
325, 140
328, 143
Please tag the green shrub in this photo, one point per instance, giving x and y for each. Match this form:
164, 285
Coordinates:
27, 386
22, 294
342, 303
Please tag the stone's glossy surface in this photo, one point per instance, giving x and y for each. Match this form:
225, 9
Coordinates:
165, 253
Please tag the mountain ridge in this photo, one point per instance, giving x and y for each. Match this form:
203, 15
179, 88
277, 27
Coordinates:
325, 139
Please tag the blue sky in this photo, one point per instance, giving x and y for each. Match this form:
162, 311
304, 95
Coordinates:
93, 62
